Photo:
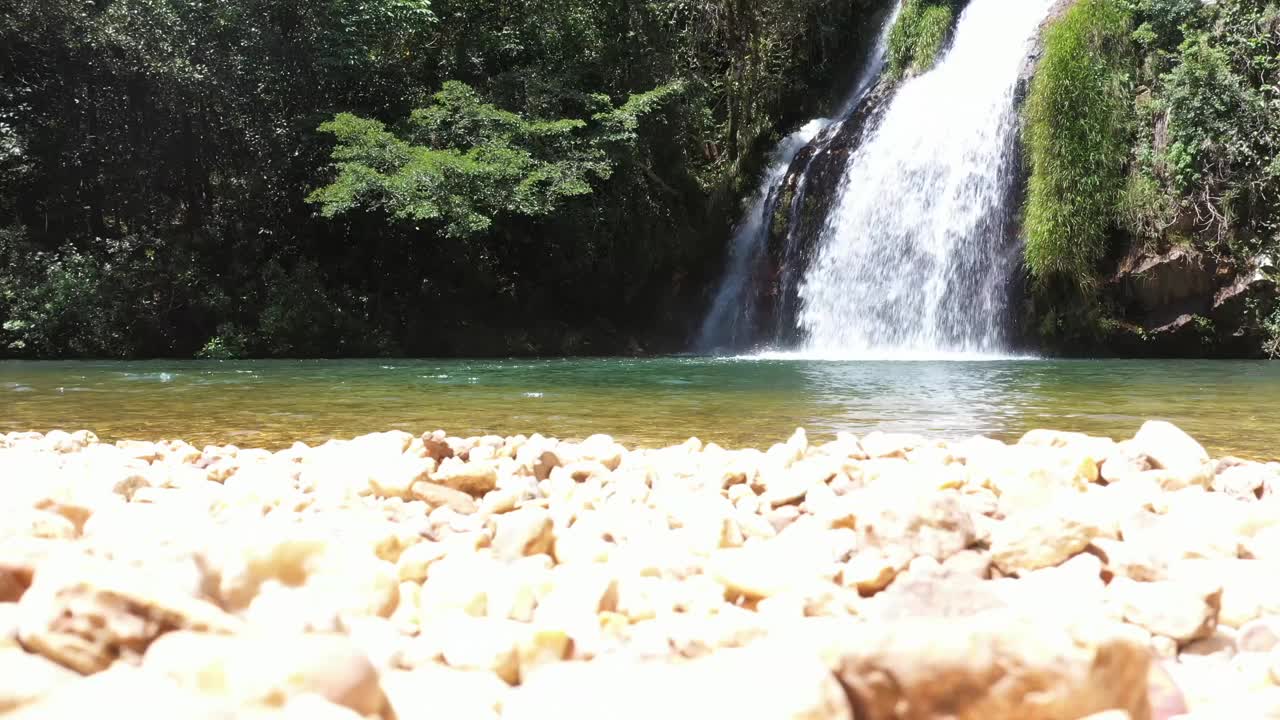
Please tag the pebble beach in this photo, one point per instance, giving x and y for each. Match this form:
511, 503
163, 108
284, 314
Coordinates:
881, 577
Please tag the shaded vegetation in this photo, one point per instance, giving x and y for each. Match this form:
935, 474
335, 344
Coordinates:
486, 177
1151, 124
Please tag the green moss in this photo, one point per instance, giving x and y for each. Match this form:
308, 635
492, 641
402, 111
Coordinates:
918, 36
1077, 137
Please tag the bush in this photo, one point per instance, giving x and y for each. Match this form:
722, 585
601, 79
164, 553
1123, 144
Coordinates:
918, 36
1077, 138
228, 344
57, 303
1223, 136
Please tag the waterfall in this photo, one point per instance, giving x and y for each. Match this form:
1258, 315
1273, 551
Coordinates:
731, 322
917, 255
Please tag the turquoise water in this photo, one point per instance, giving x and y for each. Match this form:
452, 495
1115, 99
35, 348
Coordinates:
1233, 407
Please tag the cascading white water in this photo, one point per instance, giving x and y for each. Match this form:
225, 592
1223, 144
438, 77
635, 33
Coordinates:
732, 312
729, 322
915, 257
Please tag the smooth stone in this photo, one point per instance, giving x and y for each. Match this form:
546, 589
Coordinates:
436, 495
1261, 635
993, 666
1184, 610
268, 668
1220, 646
10, 615
1041, 539
752, 683
764, 569
528, 531
1247, 592
25, 678
439, 691
1169, 448
87, 614
139, 694
473, 478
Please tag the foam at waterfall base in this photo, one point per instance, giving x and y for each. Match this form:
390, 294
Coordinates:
883, 356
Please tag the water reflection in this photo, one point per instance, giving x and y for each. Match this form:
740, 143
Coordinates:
1230, 406
952, 399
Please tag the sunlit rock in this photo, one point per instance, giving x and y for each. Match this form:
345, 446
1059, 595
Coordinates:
26, 677
1184, 610
1045, 538
268, 669
994, 665
123, 686
87, 614
437, 690
739, 683
1171, 449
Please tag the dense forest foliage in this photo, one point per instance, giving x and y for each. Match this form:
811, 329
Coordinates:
360, 177
433, 177
1154, 126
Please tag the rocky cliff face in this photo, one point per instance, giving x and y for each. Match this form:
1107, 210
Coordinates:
1187, 303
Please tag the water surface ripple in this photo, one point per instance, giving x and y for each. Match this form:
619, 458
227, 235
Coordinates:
1233, 407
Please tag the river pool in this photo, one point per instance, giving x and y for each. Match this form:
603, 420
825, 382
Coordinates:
1232, 407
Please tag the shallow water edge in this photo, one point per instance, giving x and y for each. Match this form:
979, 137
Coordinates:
1232, 407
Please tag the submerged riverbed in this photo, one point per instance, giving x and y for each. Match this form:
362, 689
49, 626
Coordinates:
1231, 407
